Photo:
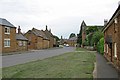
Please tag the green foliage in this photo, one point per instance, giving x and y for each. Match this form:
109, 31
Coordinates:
72, 35
100, 46
96, 37
91, 29
79, 36
57, 38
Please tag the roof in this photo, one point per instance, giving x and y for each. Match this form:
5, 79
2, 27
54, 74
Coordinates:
39, 33
48, 34
117, 12
5, 23
21, 37
73, 38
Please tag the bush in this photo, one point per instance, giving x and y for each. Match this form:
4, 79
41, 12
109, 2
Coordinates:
96, 37
100, 46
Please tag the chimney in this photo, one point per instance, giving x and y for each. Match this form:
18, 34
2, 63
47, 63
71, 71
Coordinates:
50, 30
19, 30
105, 22
46, 27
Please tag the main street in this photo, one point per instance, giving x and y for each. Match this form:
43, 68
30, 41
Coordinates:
11, 60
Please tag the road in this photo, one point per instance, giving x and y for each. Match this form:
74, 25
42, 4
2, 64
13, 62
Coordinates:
11, 60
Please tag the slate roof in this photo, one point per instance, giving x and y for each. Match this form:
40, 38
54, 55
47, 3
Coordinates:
20, 37
48, 34
5, 23
39, 33
73, 39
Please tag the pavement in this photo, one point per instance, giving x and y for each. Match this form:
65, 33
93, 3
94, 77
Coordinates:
104, 68
11, 60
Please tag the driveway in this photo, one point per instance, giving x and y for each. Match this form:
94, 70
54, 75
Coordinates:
11, 60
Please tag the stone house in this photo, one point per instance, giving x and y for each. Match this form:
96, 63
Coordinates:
8, 36
112, 39
50, 36
72, 42
86, 28
21, 41
37, 39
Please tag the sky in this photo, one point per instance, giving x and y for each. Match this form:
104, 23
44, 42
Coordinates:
63, 17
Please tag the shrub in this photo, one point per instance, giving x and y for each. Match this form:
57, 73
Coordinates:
96, 37
100, 46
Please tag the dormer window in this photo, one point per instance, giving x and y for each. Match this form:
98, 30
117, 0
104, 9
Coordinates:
7, 30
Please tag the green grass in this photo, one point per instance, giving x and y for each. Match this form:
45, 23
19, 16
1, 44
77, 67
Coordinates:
68, 65
0, 73
81, 49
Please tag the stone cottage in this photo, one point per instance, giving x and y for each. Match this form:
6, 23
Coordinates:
112, 39
21, 41
37, 39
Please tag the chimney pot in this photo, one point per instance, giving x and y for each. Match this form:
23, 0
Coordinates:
105, 22
19, 30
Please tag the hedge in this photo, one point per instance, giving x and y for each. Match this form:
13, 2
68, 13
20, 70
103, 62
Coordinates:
100, 46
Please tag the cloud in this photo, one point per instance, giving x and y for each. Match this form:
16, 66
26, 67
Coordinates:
62, 16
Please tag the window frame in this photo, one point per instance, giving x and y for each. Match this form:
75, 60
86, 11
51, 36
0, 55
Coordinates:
8, 30
7, 43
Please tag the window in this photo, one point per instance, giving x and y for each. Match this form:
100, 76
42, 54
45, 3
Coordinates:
7, 30
20, 43
24, 43
6, 42
115, 50
107, 48
104, 47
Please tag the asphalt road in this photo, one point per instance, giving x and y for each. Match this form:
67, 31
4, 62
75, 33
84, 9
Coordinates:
11, 60
105, 69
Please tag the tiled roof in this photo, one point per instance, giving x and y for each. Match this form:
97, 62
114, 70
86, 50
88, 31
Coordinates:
39, 33
48, 34
20, 37
5, 22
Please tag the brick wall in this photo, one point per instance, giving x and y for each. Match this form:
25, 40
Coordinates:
12, 38
45, 44
0, 39
32, 40
51, 42
39, 43
114, 31
22, 47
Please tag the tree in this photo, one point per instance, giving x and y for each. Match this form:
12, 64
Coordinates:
79, 37
57, 38
96, 37
72, 35
91, 29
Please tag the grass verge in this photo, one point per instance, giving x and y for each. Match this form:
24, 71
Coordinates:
68, 65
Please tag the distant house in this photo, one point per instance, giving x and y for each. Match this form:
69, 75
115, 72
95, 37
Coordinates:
7, 36
37, 39
112, 39
72, 41
21, 41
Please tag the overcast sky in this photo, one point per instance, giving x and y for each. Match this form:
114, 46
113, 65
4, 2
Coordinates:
62, 16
